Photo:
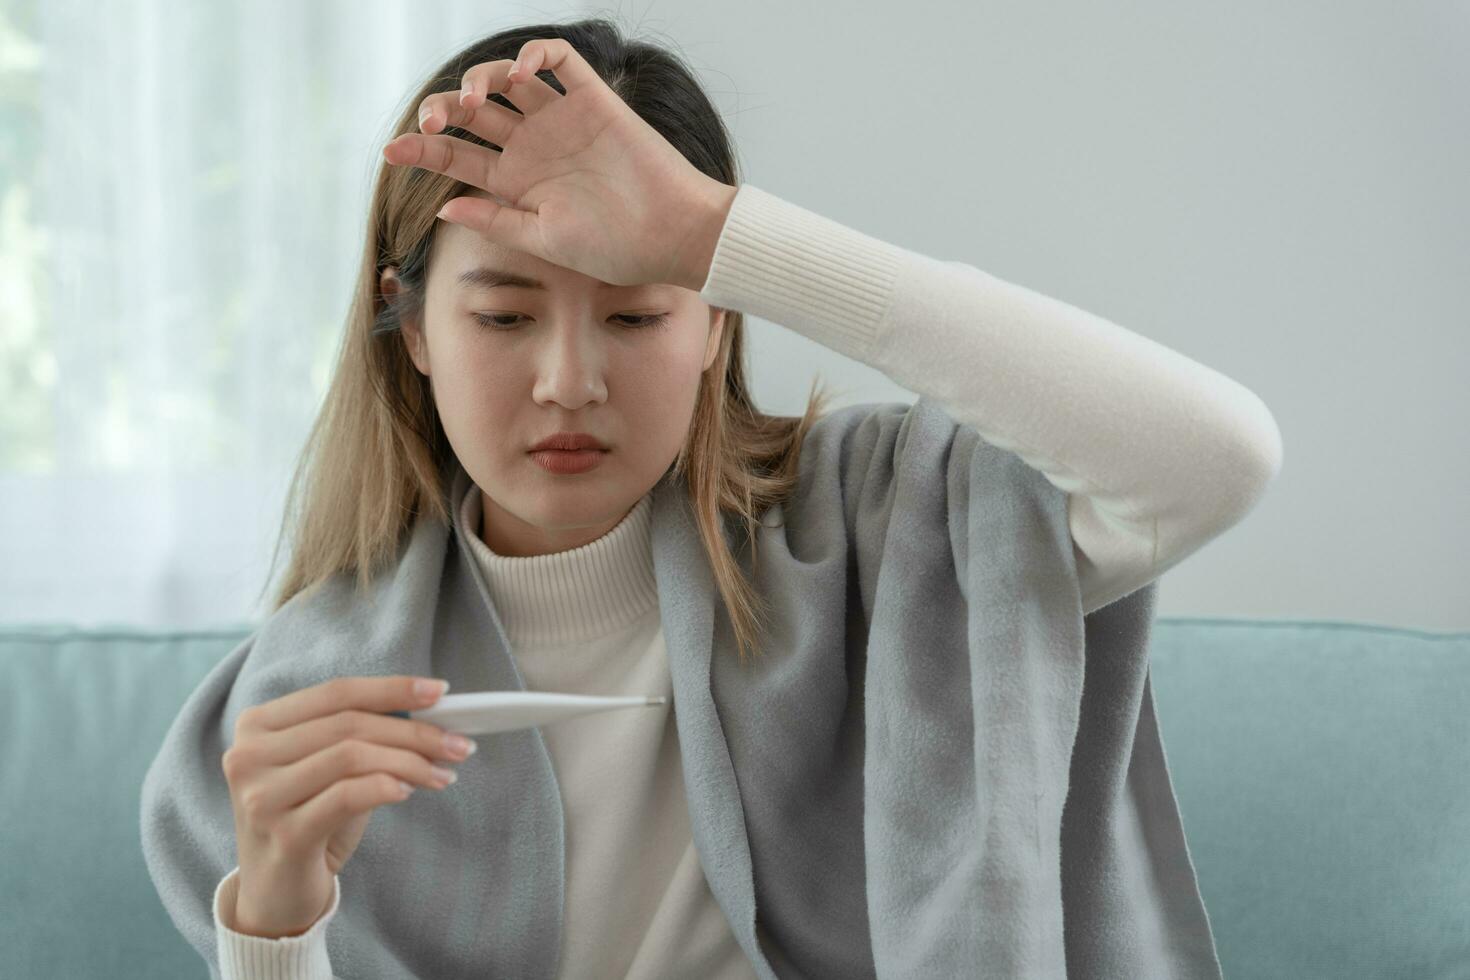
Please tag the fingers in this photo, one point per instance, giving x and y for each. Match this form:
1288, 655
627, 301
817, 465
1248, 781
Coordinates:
464, 161
470, 110
482, 79
530, 93
391, 693
272, 771
490, 121
556, 55
302, 829
502, 223
293, 784
523, 90
284, 747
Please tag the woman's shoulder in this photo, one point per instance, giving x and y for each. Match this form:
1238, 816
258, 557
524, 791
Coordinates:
859, 429
887, 435
866, 455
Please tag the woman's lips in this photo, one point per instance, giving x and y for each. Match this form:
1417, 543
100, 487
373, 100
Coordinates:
568, 461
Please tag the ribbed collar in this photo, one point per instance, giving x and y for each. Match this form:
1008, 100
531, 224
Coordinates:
569, 596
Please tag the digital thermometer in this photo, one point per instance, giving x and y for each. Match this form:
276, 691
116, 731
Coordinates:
488, 712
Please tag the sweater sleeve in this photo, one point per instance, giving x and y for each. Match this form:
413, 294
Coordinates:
246, 957
1158, 453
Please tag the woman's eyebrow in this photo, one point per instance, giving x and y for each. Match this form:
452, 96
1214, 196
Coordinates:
488, 278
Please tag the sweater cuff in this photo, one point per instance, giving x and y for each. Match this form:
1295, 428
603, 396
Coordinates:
780, 262
245, 957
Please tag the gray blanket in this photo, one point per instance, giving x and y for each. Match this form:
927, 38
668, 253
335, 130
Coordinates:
938, 767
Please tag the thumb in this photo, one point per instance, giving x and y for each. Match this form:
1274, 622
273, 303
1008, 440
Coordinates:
501, 223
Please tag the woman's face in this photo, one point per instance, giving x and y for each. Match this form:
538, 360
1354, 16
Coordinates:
574, 356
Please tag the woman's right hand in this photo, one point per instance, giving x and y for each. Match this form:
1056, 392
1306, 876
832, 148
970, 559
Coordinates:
306, 772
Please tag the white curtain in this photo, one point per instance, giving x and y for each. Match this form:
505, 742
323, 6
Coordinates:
182, 207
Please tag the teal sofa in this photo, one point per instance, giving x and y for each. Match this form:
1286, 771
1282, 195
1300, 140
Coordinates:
1323, 771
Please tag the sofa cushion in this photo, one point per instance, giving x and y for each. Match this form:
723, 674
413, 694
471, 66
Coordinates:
1323, 775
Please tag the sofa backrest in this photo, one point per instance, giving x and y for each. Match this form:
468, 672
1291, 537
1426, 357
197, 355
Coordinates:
1322, 769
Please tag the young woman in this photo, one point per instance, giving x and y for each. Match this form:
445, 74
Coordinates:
875, 724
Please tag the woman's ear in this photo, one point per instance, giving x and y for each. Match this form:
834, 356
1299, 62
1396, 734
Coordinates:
410, 327
716, 331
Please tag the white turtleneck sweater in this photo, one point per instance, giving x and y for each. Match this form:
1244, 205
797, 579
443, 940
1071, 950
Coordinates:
1158, 454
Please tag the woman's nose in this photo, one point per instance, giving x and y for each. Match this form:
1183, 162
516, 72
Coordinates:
570, 368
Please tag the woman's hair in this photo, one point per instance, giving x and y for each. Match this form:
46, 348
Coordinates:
374, 460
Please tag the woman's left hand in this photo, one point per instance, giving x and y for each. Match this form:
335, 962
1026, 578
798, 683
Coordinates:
581, 179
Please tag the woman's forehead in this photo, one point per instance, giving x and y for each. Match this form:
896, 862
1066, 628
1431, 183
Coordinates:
463, 249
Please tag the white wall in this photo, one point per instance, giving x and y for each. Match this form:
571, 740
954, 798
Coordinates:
1275, 190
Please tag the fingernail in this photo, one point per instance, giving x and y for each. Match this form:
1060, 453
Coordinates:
465, 93
424, 115
428, 690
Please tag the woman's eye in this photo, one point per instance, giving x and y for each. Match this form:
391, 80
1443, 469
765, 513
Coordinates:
498, 321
